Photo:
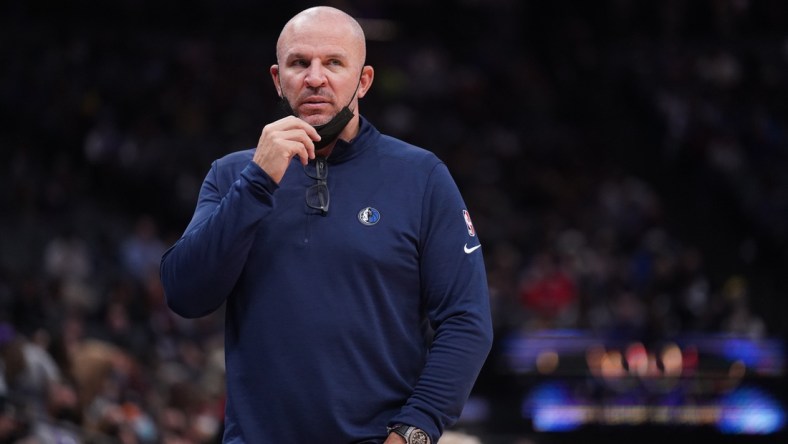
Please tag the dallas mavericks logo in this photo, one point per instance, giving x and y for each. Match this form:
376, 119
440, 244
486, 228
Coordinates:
368, 216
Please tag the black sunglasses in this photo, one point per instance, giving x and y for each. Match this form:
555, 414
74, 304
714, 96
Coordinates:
317, 195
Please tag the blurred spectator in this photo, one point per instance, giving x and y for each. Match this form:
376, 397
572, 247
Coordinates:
549, 293
28, 370
142, 250
736, 314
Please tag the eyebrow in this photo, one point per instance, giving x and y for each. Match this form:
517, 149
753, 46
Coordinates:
300, 55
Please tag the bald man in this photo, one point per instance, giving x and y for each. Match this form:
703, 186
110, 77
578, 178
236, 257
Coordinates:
357, 308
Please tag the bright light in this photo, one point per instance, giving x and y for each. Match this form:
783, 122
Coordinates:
750, 411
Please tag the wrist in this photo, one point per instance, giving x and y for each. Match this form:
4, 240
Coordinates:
395, 438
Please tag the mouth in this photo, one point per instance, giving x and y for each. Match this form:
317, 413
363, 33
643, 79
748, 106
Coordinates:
316, 100
315, 105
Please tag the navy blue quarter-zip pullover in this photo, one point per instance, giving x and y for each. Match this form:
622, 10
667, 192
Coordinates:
338, 324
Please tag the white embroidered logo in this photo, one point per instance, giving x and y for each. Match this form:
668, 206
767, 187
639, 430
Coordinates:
470, 250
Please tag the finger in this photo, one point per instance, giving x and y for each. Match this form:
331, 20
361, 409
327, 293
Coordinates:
304, 148
299, 136
312, 132
303, 153
292, 121
296, 148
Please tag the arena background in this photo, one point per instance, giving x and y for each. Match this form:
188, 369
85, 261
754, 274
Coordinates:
624, 163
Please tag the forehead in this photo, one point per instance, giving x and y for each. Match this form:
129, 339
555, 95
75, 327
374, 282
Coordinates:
319, 38
318, 48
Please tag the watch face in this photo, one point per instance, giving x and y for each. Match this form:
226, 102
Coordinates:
419, 437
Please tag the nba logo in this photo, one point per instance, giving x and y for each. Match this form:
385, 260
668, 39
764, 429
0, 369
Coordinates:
468, 223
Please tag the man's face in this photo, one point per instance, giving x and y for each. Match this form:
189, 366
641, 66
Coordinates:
319, 68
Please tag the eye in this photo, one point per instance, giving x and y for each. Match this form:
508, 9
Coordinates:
300, 63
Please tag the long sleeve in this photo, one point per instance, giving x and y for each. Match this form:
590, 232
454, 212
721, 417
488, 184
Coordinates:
200, 270
454, 288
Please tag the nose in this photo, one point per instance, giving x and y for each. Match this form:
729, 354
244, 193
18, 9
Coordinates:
315, 77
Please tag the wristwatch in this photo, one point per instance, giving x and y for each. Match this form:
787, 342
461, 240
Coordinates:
412, 435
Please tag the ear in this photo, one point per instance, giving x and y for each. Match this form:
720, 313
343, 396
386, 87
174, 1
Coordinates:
275, 77
367, 75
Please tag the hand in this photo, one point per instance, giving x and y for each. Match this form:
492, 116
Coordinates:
394, 438
281, 141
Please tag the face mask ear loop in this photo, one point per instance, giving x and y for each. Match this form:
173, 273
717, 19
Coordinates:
355, 93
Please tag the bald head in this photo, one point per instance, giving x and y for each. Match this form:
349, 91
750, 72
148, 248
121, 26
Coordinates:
331, 24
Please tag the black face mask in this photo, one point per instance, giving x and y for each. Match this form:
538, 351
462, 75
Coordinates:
330, 130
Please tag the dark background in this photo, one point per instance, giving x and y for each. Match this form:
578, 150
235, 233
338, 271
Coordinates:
624, 163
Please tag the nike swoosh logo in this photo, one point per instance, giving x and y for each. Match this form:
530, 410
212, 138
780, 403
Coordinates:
472, 249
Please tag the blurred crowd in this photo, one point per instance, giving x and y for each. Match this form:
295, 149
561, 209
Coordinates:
623, 162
